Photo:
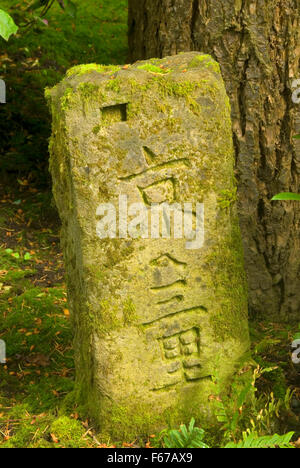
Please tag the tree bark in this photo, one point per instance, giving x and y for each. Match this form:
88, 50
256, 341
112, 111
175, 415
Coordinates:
257, 43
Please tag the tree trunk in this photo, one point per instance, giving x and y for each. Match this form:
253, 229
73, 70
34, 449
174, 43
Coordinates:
257, 43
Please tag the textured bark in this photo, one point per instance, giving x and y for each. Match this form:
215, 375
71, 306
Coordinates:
257, 43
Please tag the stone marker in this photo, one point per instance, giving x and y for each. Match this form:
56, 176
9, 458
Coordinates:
142, 165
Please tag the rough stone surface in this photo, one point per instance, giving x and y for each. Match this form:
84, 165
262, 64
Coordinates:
257, 44
154, 321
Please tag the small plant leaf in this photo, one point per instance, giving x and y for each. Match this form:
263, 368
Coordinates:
7, 25
185, 438
254, 441
287, 196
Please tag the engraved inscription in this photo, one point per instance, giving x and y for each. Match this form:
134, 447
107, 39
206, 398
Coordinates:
149, 155
112, 114
181, 355
165, 260
151, 166
169, 289
173, 163
164, 190
168, 294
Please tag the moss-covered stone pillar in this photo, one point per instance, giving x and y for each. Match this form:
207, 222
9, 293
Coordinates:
143, 177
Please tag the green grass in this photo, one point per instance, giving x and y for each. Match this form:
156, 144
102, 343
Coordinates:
35, 326
37, 404
39, 58
98, 34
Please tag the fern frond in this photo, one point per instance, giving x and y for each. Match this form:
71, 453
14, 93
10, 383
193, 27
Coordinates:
254, 441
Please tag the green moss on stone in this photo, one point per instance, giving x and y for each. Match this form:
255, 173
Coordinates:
90, 67
129, 312
128, 423
207, 61
137, 421
106, 320
113, 85
88, 90
165, 88
153, 68
175, 88
67, 99
227, 198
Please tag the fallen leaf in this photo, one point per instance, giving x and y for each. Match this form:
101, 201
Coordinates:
39, 360
54, 438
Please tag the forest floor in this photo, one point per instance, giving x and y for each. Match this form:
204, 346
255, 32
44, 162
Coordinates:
36, 383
